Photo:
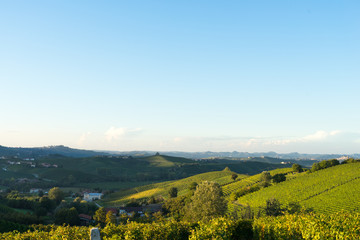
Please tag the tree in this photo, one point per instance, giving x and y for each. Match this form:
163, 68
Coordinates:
100, 216
280, 177
174, 207
46, 203
293, 207
297, 168
110, 218
66, 215
234, 176
206, 203
265, 178
193, 186
173, 192
56, 194
273, 207
315, 167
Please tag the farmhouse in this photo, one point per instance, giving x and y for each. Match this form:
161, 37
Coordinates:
85, 220
151, 208
92, 196
35, 190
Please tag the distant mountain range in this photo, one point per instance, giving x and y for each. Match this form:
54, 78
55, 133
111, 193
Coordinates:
71, 152
237, 155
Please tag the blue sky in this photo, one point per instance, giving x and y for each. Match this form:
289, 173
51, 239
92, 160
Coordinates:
181, 75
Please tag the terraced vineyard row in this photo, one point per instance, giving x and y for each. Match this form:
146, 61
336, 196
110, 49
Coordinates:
335, 186
249, 181
345, 197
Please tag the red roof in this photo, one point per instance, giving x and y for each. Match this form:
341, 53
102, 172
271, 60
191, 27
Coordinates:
85, 216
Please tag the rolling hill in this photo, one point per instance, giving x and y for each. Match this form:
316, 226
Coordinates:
162, 188
104, 171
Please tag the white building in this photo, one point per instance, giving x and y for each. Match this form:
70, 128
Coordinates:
92, 196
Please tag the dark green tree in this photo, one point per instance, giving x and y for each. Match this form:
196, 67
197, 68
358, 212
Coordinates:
297, 168
234, 176
193, 186
315, 167
173, 192
273, 207
293, 207
280, 177
265, 178
47, 203
67, 216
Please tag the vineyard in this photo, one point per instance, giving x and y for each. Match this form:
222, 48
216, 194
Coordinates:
249, 181
161, 189
291, 227
325, 191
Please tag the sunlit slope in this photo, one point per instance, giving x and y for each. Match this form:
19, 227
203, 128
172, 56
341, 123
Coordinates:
325, 191
249, 181
161, 189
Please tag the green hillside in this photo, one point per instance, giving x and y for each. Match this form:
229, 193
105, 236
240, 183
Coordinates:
325, 191
161, 189
249, 181
105, 171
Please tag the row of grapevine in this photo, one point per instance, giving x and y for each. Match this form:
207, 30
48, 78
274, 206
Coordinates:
309, 226
324, 185
287, 227
249, 181
219, 228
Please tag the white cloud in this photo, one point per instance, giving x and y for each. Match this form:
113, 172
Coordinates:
84, 137
114, 133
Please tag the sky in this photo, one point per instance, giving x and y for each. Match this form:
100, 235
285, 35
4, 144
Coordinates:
202, 75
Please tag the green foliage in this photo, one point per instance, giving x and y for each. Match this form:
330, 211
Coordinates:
175, 207
7, 226
100, 216
67, 216
293, 207
286, 227
155, 231
173, 192
192, 186
280, 177
47, 203
234, 176
222, 228
265, 177
324, 164
308, 226
49, 233
110, 218
273, 207
56, 194
297, 168
206, 203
